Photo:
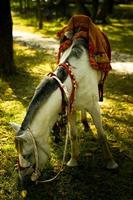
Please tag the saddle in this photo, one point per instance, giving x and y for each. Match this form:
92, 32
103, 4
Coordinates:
81, 26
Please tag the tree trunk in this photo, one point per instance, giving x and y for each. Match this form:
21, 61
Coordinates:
6, 39
106, 10
111, 6
95, 5
39, 14
81, 9
20, 6
61, 6
28, 4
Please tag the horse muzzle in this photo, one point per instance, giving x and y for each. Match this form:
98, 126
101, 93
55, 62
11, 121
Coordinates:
28, 172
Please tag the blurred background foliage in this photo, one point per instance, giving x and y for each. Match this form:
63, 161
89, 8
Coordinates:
46, 10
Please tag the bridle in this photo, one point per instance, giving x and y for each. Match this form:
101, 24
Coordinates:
64, 91
68, 106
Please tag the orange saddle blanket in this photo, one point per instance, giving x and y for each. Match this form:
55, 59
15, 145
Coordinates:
98, 45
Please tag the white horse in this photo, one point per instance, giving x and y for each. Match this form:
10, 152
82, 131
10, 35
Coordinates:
32, 136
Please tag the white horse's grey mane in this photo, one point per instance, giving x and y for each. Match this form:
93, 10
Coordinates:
77, 50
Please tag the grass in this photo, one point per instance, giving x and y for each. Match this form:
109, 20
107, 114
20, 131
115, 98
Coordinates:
120, 33
90, 180
30, 24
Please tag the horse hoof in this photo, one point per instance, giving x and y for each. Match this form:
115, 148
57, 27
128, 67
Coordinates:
112, 165
72, 163
86, 129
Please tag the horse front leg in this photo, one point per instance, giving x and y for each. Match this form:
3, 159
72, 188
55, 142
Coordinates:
73, 138
110, 163
84, 121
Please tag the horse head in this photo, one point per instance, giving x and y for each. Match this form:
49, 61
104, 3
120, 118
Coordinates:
29, 153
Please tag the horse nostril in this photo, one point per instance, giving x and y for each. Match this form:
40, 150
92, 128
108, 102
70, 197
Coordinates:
23, 181
26, 157
20, 180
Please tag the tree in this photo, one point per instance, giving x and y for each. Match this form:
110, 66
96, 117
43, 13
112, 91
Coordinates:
102, 9
61, 7
21, 6
95, 5
81, 9
6, 39
39, 14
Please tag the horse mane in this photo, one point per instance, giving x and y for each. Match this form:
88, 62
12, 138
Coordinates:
76, 49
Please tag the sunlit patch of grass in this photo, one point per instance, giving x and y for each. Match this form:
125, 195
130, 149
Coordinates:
123, 11
24, 24
120, 34
35, 60
30, 24
50, 29
118, 112
8, 172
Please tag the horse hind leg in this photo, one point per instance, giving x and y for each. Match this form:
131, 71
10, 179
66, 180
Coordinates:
84, 121
110, 163
73, 138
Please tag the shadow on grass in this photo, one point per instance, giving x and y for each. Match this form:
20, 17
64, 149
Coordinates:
119, 85
120, 35
88, 181
18, 85
28, 76
118, 117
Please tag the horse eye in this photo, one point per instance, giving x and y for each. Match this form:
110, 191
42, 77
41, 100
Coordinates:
63, 39
26, 157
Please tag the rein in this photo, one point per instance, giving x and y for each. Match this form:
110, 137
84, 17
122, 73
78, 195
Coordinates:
36, 174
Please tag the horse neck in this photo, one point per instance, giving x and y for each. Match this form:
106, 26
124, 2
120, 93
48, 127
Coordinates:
47, 115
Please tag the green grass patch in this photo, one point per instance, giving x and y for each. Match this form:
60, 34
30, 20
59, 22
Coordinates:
120, 34
30, 23
123, 11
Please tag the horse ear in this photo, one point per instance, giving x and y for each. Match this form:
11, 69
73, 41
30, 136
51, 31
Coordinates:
15, 126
